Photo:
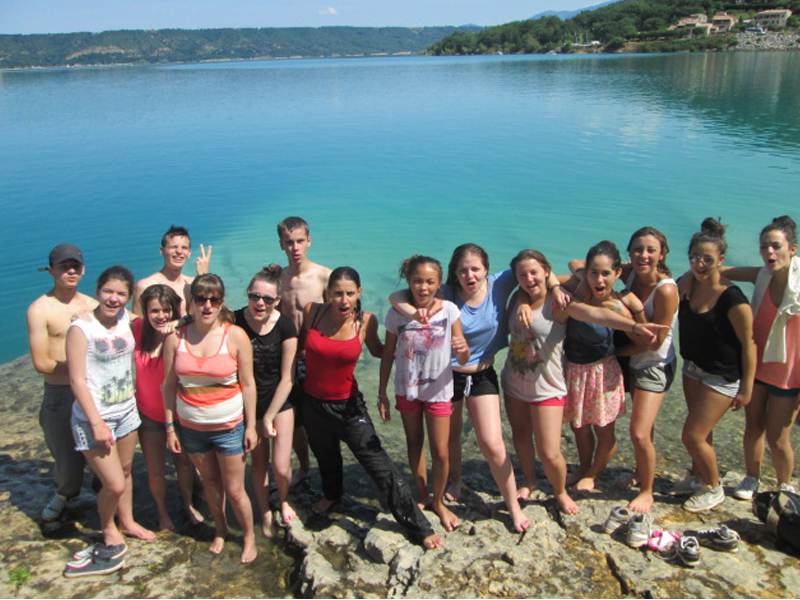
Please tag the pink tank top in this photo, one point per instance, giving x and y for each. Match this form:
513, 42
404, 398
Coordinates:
785, 375
149, 376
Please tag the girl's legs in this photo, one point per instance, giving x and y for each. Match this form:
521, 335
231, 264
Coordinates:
781, 414
206, 464
108, 468
260, 478
546, 426
185, 472
754, 428
438, 436
125, 448
454, 478
231, 468
415, 440
585, 443
282, 461
154, 449
606, 446
485, 414
643, 417
706, 408
520, 419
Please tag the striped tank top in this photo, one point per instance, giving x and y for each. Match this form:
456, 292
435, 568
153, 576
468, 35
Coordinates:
209, 396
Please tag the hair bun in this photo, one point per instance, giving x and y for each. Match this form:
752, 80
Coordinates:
273, 270
712, 226
785, 221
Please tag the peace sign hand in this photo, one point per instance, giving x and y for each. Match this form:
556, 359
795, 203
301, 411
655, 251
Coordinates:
203, 262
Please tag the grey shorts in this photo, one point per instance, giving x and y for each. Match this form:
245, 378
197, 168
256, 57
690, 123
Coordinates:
120, 427
657, 379
716, 382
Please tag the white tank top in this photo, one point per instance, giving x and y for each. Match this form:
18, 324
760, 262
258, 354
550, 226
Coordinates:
665, 353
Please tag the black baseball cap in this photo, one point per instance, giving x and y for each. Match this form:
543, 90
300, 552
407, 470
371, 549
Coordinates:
63, 253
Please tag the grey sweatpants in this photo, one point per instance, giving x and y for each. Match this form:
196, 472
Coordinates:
54, 417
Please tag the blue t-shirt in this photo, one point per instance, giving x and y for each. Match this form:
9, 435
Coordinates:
485, 326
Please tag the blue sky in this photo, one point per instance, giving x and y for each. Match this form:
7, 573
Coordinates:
49, 16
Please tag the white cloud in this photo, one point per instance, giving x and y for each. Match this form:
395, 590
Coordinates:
328, 11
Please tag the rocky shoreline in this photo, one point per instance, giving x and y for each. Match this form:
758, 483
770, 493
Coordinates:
359, 551
771, 41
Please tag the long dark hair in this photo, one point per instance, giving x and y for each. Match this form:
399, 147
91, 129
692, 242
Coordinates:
711, 231
212, 284
117, 272
348, 274
165, 296
661, 267
458, 255
605, 248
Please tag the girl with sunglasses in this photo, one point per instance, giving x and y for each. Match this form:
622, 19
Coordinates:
208, 382
274, 340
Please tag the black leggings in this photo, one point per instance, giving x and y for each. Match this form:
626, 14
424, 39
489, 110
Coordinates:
329, 422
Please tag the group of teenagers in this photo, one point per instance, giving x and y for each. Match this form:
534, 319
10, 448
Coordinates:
183, 372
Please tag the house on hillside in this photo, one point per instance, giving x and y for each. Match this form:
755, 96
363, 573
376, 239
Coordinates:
724, 22
773, 19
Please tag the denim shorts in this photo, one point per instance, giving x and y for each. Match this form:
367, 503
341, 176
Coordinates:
716, 382
657, 379
228, 442
120, 427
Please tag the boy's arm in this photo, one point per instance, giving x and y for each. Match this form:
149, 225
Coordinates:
38, 339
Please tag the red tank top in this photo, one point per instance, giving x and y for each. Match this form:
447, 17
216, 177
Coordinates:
330, 366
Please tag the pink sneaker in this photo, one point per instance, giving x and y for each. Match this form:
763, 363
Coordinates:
662, 540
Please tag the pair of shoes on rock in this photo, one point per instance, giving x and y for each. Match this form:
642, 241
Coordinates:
717, 538
97, 559
637, 526
679, 549
705, 498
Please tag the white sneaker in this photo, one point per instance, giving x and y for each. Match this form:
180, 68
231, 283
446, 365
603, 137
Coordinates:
746, 489
687, 486
705, 499
52, 511
787, 487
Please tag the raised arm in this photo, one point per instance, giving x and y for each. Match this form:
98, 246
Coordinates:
288, 353
387, 361
741, 318
608, 318
77, 345
38, 339
202, 263
740, 273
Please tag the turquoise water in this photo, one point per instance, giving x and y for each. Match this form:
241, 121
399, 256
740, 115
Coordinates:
388, 157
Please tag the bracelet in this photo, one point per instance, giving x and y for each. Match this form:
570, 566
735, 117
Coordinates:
554, 286
170, 425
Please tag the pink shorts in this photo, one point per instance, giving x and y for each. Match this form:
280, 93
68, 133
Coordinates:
551, 402
437, 409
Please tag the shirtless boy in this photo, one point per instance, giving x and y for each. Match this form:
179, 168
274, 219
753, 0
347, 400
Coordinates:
176, 248
49, 317
302, 282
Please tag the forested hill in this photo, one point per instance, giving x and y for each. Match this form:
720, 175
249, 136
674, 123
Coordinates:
612, 25
181, 45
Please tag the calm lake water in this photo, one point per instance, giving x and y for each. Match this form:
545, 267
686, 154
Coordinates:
389, 157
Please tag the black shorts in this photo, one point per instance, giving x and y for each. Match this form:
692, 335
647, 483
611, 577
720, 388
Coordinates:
297, 393
263, 405
483, 383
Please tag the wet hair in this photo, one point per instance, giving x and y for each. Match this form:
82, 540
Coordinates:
290, 223
268, 274
712, 232
529, 254
661, 267
604, 248
174, 231
165, 296
785, 224
458, 255
117, 272
409, 265
207, 284
348, 274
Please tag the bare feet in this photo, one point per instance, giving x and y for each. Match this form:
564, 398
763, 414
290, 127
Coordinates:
432, 541
524, 491
287, 513
249, 550
298, 477
137, 531
574, 477
449, 521
323, 506
267, 524
217, 544
585, 484
521, 522
642, 503
426, 504
453, 491
165, 523
566, 504
194, 515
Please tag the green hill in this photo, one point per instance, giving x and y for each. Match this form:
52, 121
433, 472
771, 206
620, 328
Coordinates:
612, 25
180, 45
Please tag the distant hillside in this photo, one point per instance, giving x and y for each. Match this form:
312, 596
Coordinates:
568, 14
180, 45
614, 25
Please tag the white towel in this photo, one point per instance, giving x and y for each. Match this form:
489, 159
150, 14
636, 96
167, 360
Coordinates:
775, 348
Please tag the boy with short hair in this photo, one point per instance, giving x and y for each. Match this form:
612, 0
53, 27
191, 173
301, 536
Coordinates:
302, 281
49, 317
176, 248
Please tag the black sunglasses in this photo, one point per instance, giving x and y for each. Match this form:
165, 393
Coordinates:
201, 300
256, 297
